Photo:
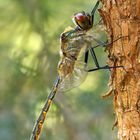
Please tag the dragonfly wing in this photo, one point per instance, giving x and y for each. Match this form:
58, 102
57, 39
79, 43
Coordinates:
75, 78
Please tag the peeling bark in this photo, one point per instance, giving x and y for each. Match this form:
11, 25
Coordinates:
122, 18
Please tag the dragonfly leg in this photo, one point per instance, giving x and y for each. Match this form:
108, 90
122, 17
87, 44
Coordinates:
105, 67
106, 43
94, 57
94, 10
86, 57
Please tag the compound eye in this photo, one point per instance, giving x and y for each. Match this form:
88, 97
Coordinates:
80, 17
82, 21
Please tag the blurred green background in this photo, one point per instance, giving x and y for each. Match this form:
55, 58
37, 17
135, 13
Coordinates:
29, 53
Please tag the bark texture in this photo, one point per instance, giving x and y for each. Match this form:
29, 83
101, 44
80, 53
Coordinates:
122, 18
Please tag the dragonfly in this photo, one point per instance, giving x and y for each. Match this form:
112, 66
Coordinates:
76, 43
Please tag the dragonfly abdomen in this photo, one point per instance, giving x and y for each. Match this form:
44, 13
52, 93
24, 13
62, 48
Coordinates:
39, 123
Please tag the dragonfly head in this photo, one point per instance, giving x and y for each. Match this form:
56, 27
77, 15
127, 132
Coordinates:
83, 20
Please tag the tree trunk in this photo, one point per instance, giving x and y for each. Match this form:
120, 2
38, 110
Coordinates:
122, 18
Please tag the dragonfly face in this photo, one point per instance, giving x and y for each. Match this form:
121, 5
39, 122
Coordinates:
83, 20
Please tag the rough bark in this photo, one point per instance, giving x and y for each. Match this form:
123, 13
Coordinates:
122, 18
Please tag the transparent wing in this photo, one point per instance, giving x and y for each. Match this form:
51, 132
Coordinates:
75, 78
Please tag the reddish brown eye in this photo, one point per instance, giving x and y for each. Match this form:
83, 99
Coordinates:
80, 17
82, 20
